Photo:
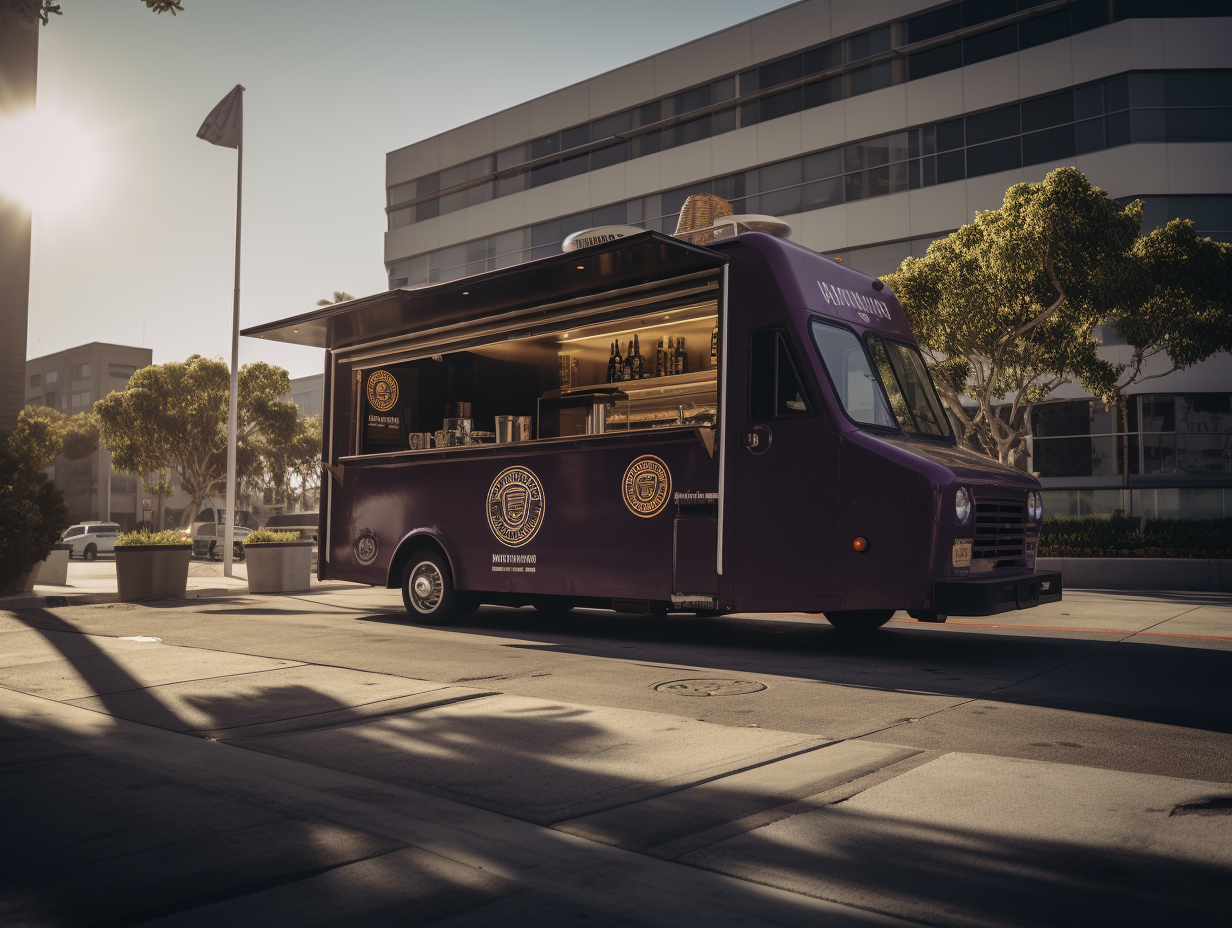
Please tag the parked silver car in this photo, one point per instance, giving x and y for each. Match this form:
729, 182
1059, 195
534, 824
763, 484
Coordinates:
206, 542
90, 539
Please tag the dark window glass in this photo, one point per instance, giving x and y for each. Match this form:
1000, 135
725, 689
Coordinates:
1148, 125
572, 138
1088, 101
913, 143
928, 140
822, 193
907, 384
928, 171
1089, 14
780, 72
748, 81
545, 174
1132, 9
781, 104
646, 144
723, 121
478, 168
1045, 29
822, 92
545, 233
687, 132
1199, 125
990, 45
572, 167
402, 193
427, 210
1063, 457
510, 157
823, 164
996, 124
913, 168
650, 113
1159, 413
1146, 89
1116, 94
1207, 213
1089, 136
1055, 110
691, 100
548, 145
874, 77
775, 390
935, 23
822, 59
950, 167
1116, 129
480, 193
1050, 145
426, 185
451, 177
1202, 88
750, 114
783, 202
975, 12
724, 89
858, 186
950, 135
868, 44
605, 157
609, 126
995, 156
934, 61
616, 214
783, 174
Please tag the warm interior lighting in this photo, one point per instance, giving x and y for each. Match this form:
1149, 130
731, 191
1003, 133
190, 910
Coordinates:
581, 267
49, 161
628, 328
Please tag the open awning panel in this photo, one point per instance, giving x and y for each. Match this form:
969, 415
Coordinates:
640, 259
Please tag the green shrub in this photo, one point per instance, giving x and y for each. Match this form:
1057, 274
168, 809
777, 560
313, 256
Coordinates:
1127, 536
142, 537
265, 536
32, 510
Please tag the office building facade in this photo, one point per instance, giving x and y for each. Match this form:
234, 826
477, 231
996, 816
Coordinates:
874, 128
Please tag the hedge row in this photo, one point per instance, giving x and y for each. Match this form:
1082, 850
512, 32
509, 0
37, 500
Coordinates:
1126, 536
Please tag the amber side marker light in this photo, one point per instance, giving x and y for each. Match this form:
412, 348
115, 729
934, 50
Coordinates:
860, 543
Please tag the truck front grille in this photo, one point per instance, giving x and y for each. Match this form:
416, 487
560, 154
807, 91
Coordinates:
1000, 530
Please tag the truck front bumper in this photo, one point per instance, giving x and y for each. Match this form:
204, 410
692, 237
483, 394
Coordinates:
991, 595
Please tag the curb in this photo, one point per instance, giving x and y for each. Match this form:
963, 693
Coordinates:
53, 601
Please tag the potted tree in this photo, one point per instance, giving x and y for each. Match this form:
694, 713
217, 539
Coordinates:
152, 565
278, 562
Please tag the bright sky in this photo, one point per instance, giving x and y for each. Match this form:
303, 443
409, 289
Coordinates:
142, 254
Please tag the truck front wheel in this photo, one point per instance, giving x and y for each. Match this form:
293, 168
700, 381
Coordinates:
859, 620
428, 593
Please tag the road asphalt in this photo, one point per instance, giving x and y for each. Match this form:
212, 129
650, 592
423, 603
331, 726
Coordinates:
319, 759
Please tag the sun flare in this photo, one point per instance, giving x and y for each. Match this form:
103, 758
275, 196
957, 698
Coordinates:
50, 161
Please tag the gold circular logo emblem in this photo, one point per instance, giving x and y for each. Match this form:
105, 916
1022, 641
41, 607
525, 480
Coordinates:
382, 390
515, 506
647, 486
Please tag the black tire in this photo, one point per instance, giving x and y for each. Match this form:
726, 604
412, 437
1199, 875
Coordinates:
428, 593
90, 553
859, 620
239, 551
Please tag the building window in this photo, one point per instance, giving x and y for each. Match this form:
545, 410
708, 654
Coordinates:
52, 399
52, 376
36, 380
123, 371
81, 371
81, 401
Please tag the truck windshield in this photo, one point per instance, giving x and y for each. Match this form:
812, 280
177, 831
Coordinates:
901, 397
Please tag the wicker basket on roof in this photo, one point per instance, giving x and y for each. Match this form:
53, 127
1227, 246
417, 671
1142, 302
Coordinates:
700, 212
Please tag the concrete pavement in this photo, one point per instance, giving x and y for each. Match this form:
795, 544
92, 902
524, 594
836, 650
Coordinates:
1067, 767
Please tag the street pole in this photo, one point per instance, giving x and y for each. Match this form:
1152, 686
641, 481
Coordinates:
232, 406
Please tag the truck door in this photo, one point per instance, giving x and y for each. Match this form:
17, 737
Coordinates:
783, 543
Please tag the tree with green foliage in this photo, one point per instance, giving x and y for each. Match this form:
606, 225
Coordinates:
340, 296
1005, 308
32, 508
76, 436
288, 471
27, 11
175, 415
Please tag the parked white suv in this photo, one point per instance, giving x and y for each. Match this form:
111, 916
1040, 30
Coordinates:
89, 539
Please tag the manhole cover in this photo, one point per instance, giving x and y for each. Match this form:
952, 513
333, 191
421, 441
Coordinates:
710, 687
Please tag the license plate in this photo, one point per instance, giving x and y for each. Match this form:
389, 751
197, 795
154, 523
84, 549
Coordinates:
962, 554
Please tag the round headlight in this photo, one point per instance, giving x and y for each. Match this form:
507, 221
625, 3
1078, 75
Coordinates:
962, 505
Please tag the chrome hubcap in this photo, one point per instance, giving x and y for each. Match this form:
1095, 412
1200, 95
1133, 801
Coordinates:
426, 587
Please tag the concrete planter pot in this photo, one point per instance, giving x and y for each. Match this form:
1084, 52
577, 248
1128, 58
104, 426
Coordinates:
53, 571
152, 571
279, 567
1141, 573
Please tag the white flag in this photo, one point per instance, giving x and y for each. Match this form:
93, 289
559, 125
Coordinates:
225, 124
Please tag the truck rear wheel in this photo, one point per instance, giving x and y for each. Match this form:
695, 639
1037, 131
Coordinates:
428, 593
859, 620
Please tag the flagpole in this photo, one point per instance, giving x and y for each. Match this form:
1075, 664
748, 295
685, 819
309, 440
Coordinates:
232, 407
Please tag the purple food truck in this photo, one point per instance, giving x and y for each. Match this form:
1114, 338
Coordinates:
650, 425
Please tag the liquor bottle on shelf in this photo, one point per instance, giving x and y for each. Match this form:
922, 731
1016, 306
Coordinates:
658, 371
618, 365
681, 360
629, 363
637, 358
714, 346
611, 363
669, 357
